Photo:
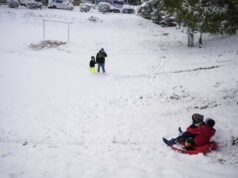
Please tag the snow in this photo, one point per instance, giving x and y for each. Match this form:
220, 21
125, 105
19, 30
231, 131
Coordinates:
57, 120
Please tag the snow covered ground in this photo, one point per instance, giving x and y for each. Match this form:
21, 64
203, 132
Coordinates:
57, 120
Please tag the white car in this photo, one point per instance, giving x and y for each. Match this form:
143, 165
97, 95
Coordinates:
60, 4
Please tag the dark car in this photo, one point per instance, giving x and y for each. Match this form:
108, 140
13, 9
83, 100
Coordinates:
128, 11
115, 10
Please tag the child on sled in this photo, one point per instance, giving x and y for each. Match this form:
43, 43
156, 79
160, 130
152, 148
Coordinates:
199, 133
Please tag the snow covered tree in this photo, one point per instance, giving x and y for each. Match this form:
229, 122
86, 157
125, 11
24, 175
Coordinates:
151, 10
146, 9
205, 16
230, 20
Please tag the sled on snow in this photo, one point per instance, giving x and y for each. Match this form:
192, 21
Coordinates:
195, 149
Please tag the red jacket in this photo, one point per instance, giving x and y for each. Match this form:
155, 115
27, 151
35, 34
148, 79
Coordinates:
203, 134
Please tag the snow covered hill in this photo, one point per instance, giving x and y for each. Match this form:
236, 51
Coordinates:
57, 120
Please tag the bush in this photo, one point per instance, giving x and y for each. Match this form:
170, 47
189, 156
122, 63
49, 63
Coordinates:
94, 19
47, 44
13, 3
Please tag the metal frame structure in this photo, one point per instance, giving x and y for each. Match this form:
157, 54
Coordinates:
65, 22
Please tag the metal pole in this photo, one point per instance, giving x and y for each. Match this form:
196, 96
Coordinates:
43, 30
68, 32
44, 21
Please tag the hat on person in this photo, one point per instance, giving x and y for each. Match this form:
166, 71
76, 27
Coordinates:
197, 118
209, 122
102, 49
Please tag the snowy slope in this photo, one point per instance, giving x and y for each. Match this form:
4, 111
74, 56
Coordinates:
59, 121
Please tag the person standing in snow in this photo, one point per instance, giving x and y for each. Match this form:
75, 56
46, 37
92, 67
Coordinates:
199, 133
92, 64
100, 59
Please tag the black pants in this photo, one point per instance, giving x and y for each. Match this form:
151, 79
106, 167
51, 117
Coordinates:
186, 137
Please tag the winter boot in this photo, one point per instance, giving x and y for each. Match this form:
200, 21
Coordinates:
169, 142
180, 131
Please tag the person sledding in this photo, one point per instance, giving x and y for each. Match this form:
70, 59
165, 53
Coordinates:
199, 133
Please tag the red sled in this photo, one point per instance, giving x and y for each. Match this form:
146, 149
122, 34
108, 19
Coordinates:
196, 149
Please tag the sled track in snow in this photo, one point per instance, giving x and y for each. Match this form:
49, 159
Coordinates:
161, 73
193, 70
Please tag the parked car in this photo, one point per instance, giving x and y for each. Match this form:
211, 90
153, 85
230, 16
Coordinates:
128, 11
99, 1
23, 2
118, 4
168, 21
60, 4
104, 7
12, 3
114, 10
31, 4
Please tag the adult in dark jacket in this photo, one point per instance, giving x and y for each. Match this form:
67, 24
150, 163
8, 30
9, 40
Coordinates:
100, 59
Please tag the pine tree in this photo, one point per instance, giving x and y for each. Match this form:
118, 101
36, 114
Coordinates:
150, 10
230, 22
205, 16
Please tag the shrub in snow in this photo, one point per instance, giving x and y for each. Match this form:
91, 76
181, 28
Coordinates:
84, 7
234, 141
94, 19
46, 44
13, 3
104, 7
31, 4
